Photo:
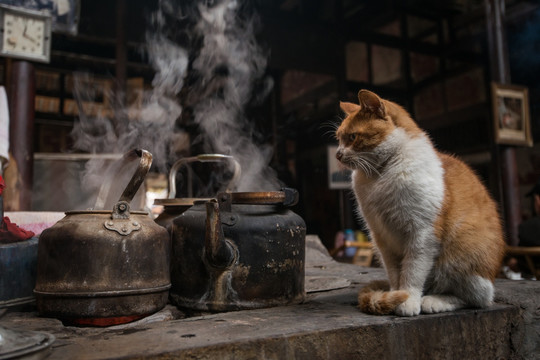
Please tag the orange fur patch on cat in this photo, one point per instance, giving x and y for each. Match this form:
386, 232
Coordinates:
468, 210
432, 222
375, 298
381, 302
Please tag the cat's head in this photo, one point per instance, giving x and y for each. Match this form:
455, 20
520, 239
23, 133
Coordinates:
365, 127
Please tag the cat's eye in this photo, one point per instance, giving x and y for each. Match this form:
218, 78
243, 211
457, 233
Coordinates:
352, 137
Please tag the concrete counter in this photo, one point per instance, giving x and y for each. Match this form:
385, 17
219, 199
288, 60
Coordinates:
326, 326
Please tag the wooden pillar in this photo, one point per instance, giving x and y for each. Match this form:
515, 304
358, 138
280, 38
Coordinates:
500, 72
346, 212
19, 172
511, 195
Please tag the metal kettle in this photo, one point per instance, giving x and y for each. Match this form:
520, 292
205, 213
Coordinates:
243, 250
104, 267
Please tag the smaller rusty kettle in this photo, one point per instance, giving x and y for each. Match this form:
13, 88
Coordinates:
104, 267
243, 250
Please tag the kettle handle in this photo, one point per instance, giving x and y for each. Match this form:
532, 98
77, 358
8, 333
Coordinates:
201, 158
140, 173
136, 180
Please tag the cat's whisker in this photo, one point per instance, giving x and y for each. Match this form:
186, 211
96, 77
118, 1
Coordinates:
366, 168
369, 166
333, 125
330, 132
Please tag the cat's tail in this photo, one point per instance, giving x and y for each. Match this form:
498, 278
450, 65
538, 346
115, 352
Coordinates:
376, 298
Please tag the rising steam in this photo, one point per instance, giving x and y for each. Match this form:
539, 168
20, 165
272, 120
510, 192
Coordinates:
225, 63
228, 64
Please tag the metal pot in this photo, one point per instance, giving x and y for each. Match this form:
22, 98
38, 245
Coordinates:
104, 267
175, 206
239, 251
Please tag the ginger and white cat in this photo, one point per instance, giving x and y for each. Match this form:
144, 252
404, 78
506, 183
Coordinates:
431, 220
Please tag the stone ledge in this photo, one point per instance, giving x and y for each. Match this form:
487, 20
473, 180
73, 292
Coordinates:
327, 326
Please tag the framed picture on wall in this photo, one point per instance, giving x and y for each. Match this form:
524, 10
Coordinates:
511, 114
338, 177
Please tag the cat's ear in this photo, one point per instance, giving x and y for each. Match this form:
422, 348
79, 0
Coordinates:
348, 108
371, 102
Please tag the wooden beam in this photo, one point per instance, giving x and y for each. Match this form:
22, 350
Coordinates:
500, 72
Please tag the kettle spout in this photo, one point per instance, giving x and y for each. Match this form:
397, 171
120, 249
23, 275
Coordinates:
220, 253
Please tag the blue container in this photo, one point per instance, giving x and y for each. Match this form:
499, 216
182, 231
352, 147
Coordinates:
349, 236
18, 263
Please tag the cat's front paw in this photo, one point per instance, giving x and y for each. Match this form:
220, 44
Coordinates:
411, 307
432, 304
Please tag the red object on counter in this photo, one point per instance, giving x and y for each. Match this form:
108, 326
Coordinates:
102, 322
10, 232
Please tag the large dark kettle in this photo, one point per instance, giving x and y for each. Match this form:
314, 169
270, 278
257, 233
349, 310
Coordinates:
104, 267
239, 251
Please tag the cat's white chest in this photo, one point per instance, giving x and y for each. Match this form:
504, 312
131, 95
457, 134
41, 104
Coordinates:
407, 195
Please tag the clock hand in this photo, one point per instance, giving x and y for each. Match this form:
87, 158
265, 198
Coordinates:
25, 35
29, 38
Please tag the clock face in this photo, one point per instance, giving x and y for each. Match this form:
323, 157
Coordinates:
23, 35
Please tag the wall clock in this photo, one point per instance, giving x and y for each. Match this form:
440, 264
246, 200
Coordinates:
25, 34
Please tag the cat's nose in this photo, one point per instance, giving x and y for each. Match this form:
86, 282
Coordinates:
339, 154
